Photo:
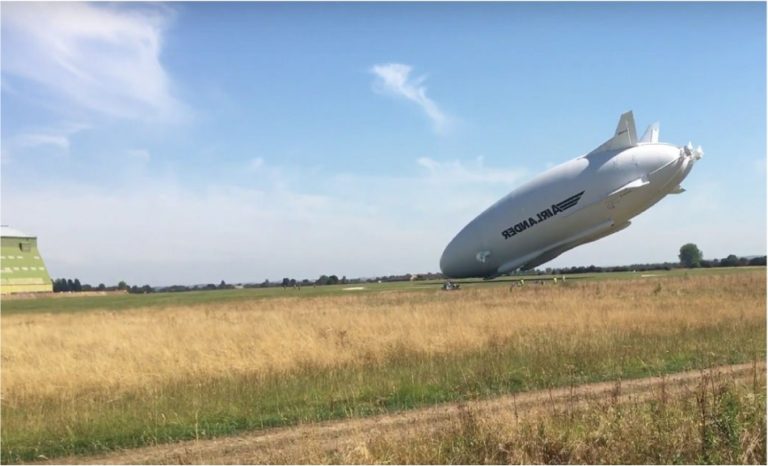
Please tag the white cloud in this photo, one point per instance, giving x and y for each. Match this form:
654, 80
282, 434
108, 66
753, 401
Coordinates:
255, 164
55, 137
43, 139
393, 78
458, 173
760, 166
100, 58
298, 223
139, 154
159, 232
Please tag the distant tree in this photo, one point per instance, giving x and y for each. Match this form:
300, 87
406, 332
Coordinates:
323, 280
101, 287
730, 261
333, 280
122, 286
60, 285
286, 282
757, 261
690, 255
146, 289
265, 283
76, 286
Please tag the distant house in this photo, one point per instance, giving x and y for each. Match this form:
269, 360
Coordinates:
22, 269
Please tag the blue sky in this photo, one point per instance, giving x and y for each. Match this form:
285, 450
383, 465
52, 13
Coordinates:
188, 142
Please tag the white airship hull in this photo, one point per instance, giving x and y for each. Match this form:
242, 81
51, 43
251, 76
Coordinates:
577, 202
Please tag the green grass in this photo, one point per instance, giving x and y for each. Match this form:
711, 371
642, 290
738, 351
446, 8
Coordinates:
720, 422
207, 407
115, 302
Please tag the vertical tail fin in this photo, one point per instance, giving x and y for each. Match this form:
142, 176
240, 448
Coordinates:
625, 135
651, 134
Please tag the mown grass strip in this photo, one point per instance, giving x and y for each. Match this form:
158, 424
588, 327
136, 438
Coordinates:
119, 302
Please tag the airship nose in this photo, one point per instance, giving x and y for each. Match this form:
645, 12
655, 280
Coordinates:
457, 256
449, 260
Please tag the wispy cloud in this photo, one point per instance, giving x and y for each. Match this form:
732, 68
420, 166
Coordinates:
457, 172
285, 221
255, 164
394, 78
43, 139
139, 154
56, 137
98, 58
297, 223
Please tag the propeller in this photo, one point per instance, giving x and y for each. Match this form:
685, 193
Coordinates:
690, 152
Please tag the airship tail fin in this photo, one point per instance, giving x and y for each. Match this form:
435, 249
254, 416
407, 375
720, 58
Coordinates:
625, 135
651, 134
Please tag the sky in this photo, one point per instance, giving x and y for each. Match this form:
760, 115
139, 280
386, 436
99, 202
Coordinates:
187, 143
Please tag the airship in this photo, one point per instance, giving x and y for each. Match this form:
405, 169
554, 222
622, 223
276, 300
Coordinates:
574, 203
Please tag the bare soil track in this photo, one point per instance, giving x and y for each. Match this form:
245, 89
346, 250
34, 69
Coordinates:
266, 445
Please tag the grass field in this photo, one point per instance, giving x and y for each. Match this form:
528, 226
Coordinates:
114, 302
717, 423
85, 382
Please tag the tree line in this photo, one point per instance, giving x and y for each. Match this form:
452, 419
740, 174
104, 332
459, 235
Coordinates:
61, 285
690, 256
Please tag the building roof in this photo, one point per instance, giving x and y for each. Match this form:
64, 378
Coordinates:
12, 232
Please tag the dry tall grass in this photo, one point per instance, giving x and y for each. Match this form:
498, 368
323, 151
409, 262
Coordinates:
61, 354
719, 421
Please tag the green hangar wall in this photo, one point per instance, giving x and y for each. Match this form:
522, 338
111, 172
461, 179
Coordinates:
22, 269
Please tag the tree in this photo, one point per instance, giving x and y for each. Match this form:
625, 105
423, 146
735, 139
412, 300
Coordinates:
690, 255
730, 261
122, 286
76, 286
60, 285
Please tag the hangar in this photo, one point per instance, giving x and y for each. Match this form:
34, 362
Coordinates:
22, 269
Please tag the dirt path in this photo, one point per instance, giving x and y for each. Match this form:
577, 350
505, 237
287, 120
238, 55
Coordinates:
289, 442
